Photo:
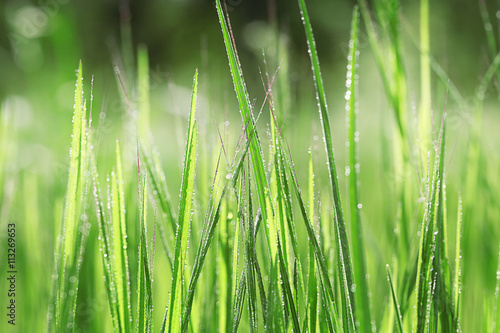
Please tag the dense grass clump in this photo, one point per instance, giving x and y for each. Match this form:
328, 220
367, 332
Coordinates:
263, 236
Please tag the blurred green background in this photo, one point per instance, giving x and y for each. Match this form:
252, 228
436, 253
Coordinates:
42, 42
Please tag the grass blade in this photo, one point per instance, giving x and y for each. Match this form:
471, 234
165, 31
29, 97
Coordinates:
122, 276
324, 116
144, 290
399, 317
358, 247
173, 323
251, 133
72, 242
457, 284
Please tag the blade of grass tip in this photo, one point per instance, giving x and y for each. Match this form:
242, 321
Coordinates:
358, 247
120, 242
458, 268
427, 247
67, 270
143, 91
251, 131
442, 298
184, 220
324, 116
395, 300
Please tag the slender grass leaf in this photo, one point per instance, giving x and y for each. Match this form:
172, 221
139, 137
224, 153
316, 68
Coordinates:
324, 116
174, 310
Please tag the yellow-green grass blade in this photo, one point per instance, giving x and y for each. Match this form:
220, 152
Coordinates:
144, 289
343, 240
427, 250
285, 281
358, 247
457, 282
172, 320
106, 248
320, 258
71, 241
122, 275
159, 186
312, 287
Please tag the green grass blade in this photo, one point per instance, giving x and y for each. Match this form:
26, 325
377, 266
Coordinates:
144, 289
106, 249
399, 317
251, 133
122, 276
312, 287
320, 258
72, 243
457, 284
358, 247
174, 309
285, 281
238, 302
324, 116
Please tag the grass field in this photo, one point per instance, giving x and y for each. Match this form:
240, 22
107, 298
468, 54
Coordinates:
259, 198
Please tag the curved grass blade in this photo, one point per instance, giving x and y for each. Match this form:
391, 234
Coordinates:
324, 116
172, 319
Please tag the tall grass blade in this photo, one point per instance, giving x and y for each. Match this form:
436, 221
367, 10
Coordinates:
358, 249
457, 282
121, 265
72, 242
144, 289
172, 321
251, 133
324, 116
